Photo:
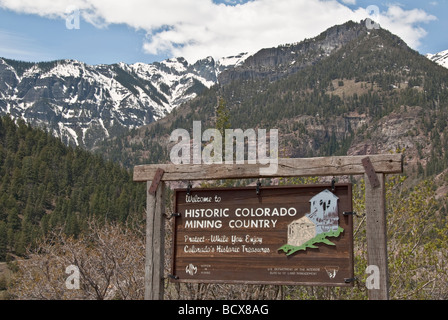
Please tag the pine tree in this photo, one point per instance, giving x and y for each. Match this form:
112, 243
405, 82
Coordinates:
222, 121
3, 241
222, 117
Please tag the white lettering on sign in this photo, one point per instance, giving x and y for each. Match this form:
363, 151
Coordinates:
266, 224
265, 212
196, 198
203, 224
224, 244
239, 213
206, 213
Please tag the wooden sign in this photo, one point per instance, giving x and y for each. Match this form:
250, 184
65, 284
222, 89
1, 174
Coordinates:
291, 235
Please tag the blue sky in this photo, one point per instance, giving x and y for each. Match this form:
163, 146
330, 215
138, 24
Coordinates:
147, 31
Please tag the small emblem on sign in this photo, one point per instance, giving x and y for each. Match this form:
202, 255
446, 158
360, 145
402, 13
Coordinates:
191, 269
331, 271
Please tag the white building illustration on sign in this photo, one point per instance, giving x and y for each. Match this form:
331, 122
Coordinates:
324, 212
322, 218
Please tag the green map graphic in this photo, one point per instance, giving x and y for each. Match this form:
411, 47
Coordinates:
320, 238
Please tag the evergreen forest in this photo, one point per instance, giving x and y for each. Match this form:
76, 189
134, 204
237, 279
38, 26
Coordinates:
44, 185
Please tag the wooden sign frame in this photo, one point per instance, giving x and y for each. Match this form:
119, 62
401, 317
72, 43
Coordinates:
248, 230
324, 166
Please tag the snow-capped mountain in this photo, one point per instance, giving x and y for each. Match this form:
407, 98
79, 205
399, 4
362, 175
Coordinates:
441, 58
81, 103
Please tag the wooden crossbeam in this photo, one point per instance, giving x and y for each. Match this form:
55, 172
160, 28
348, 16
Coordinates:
324, 166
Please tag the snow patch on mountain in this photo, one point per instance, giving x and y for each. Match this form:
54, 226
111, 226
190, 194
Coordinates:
83, 104
233, 61
440, 58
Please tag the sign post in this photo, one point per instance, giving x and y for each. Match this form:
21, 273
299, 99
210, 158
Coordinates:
376, 233
374, 168
155, 243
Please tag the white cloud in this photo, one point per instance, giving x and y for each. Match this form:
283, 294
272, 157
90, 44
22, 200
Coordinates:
405, 23
198, 28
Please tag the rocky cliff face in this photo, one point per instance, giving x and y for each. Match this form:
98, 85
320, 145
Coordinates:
83, 104
371, 95
276, 63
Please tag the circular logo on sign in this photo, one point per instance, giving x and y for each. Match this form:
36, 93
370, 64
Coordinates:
191, 269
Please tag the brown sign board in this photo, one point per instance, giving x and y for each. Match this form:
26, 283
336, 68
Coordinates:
286, 235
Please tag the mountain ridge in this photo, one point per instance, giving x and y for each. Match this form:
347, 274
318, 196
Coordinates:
279, 62
372, 95
350, 74
83, 104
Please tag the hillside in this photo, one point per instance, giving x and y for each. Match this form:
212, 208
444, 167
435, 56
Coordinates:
83, 104
45, 184
364, 92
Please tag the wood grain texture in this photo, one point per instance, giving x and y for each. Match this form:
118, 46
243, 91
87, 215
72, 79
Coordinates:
155, 235
325, 166
376, 233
